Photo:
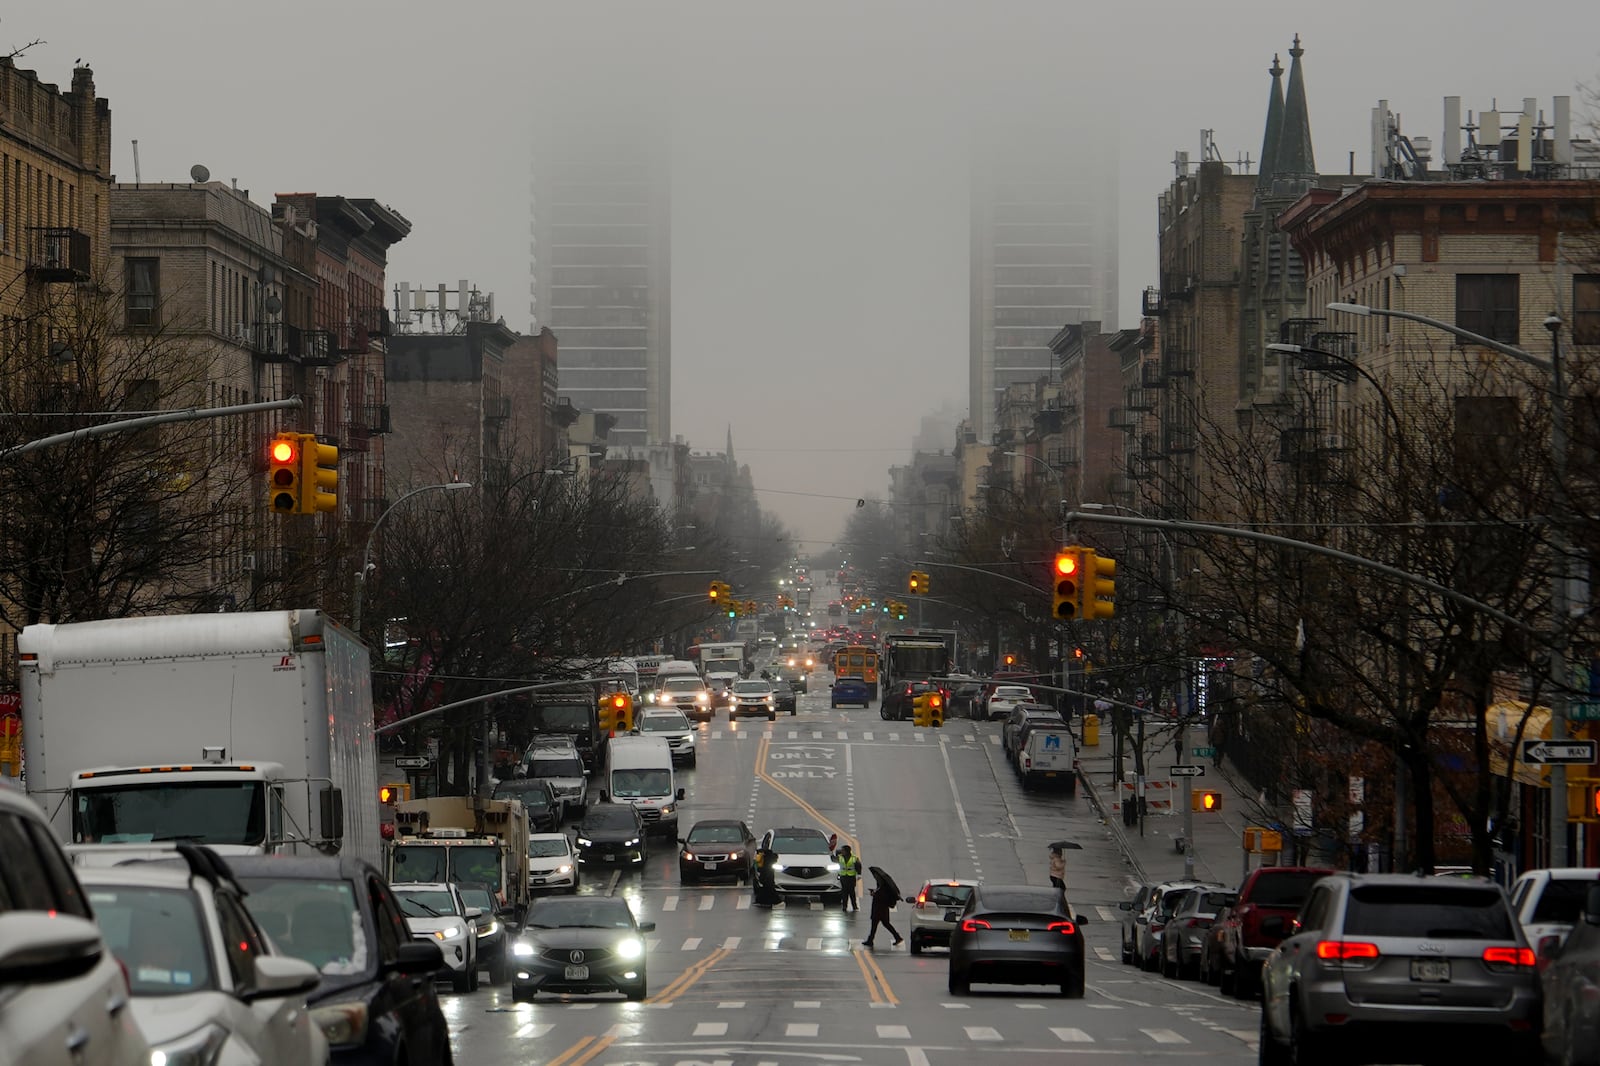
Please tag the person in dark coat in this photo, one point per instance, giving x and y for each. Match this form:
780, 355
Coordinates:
766, 891
882, 904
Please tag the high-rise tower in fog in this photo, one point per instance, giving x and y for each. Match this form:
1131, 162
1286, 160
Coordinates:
602, 265
1044, 252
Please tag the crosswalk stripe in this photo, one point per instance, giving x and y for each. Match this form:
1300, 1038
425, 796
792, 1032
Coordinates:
994, 738
691, 944
711, 1029
1072, 1036
743, 904
1164, 1036
653, 943
1249, 1036
866, 736
808, 1004
894, 736
535, 1030
730, 943
893, 1032
670, 903
706, 902
794, 734
843, 735
1106, 914
1104, 954
814, 943
982, 1032
731, 1004
922, 738
802, 1029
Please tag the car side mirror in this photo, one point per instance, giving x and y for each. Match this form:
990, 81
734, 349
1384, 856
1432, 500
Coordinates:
418, 957
647, 927
1080, 919
681, 793
282, 975
1125, 905
472, 914
586, 773
36, 948
1274, 925
911, 899
682, 841
1548, 946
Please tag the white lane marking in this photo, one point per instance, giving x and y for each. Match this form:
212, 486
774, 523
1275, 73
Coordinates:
982, 1032
624, 1029
731, 1004
1103, 1006
1105, 954
1164, 1036
843, 735
1072, 1036
867, 735
706, 902
730, 943
961, 813
535, 1030
653, 942
690, 944
955, 1006
794, 734
808, 1004
802, 1029
1106, 914
922, 738
670, 903
743, 904
994, 738
774, 943
814, 943
894, 736
915, 1056
583, 1006
816, 734
893, 1032
1249, 1036
1030, 1006
711, 1029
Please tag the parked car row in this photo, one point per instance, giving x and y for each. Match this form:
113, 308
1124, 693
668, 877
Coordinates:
1421, 966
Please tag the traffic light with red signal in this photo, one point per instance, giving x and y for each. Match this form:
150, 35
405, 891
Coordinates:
1067, 594
284, 469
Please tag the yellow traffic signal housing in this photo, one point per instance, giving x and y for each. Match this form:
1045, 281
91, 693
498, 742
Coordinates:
936, 710
284, 469
1583, 802
914, 581
319, 478
389, 795
1206, 800
1068, 575
616, 713
1099, 586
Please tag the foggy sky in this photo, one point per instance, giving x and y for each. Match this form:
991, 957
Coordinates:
820, 229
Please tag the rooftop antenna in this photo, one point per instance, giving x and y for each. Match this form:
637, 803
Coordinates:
136, 160
199, 174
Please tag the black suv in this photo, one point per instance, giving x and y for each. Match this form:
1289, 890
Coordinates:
370, 1005
538, 798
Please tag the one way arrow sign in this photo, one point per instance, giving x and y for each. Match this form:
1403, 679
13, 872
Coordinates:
1545, 752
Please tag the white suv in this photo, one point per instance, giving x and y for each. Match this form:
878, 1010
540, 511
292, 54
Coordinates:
805, 866
60, 987
671, 725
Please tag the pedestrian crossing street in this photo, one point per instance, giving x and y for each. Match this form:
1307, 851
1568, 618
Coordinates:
1005, 1024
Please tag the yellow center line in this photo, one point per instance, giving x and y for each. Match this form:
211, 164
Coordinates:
566, 1057
827, 823
866, 975
888, 993
687, 978
594, 1049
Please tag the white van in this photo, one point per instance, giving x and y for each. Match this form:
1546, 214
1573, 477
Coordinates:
639, 771
1048, 758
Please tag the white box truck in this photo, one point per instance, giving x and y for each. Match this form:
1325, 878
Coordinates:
249, 732
639, 771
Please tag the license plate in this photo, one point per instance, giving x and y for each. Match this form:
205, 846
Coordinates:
951, 915
611, 858
711, 866
1019, 934
1430, 969
1050, 773
577, 973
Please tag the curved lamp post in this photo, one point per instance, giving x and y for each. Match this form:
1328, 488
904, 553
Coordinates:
366, 554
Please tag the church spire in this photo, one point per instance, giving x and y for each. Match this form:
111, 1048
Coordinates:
1269, 140
731, 463
1294, 158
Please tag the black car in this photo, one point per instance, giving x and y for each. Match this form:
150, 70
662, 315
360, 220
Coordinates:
611, 833
494, 936
538, 797
1017, 935
717, 848
966, 699
580, 944
370, 1004
784, 698
1568, 975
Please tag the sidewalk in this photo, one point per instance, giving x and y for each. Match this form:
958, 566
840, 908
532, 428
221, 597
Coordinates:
1217, 847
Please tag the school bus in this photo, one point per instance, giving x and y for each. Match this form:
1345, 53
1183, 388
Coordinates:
858, 660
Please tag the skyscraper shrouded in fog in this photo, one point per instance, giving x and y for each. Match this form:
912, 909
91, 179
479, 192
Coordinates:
1044, 252
601, 264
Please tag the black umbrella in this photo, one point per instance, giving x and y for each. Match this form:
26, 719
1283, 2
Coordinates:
885, 883
1065, 845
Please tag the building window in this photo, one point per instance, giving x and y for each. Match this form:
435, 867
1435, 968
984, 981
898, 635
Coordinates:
1586, 309
1487, 304
143, 292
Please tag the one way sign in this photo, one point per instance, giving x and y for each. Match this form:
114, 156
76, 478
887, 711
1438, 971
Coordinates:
1545, 752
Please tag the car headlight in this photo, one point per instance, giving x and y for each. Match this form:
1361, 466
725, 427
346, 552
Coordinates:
489, 930
342, 1023
585, 842
777, 867
833, 867
702, 698
631, 948
689, 855
567, 869
452, 932
630, 843
197, 1048
652, 697
736, 853
522, 949
668, 809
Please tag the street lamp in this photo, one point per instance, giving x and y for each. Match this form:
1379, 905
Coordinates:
1185, 702
366, 554
1556, 390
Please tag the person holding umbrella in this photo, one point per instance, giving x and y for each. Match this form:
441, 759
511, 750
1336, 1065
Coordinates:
1058, 862
885, 894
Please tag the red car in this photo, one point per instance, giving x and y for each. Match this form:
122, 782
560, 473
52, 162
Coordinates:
1241, 946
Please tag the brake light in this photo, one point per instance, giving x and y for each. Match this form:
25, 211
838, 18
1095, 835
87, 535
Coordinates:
1346, 949
922, 897
1064, 928
972, 925
1509, 957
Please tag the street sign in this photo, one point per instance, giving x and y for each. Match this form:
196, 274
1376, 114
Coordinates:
1203, 753
412, 762
1188, 771
1546, 752
1583, 712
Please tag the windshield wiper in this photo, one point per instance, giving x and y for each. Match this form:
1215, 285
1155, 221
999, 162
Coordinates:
431, 912
187, 838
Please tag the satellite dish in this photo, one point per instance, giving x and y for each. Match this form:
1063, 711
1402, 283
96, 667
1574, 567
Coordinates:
199, 174
274, 305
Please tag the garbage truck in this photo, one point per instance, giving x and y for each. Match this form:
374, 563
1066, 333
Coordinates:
249, 732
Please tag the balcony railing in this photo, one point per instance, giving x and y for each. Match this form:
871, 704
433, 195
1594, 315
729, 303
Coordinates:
1179, 439
312, 347
1152, 303
1063, 456
497, 409
373, 321
1178, 362
371, 417
58, 253
269, 342
354, 438
1177, 286
1150, 375
1120, 418
1136, 399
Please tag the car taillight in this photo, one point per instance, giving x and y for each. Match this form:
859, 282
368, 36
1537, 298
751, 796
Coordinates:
1064, 928
1509, 957
1346, 949
922, 898
972, 925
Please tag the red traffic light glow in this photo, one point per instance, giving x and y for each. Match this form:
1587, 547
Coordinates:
1066, 564
283, 451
